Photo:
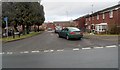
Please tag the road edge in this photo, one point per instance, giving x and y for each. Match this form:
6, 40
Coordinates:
22, 38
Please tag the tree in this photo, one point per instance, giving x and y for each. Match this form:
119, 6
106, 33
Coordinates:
23, 13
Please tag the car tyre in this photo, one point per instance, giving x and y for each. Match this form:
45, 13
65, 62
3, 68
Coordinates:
80, 38
67, 37
59, 36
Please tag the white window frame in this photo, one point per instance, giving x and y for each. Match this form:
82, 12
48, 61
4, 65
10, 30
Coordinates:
103, 15
97, 16
89, 18
111, 14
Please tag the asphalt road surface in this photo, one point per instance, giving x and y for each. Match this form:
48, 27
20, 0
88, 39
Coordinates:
84, 58
48, 51
50, 41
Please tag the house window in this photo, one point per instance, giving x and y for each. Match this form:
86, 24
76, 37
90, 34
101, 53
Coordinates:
89, 18
111, 14
97, 16
103, 16
92, 17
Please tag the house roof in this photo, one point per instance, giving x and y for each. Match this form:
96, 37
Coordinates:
106, 9
100, 11
61, 22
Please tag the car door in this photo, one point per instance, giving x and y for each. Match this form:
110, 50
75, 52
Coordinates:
61, 33
65, 32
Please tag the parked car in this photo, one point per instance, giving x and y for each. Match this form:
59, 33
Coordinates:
71, 32
58, 29
49, 29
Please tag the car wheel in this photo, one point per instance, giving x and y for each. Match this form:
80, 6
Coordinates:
59, 36
67, 37
79, 38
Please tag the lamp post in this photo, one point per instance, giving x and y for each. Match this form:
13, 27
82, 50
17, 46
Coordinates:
67, 14
92, 19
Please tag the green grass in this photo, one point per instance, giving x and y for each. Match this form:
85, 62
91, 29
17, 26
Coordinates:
6, 39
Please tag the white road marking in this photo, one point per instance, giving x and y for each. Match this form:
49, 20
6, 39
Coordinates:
46, 50
35, 51
111, 46
51, 50
76, 49
60, 50
3, 52
9, 52
98, 47
86, 48
26, 52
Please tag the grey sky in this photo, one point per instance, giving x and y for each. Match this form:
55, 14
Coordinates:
71, 9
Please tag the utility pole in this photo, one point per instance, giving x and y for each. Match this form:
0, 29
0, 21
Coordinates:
92, 8
67, 14
92, 18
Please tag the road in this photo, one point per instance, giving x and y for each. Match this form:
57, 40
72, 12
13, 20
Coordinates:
48, 51
50, 41
83, 58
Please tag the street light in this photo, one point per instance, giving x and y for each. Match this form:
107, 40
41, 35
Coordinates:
67, 14
92, 19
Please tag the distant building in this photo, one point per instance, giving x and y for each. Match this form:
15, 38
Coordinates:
80, 23
64, 23
49, 25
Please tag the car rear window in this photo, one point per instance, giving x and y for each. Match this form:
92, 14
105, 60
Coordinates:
74, 29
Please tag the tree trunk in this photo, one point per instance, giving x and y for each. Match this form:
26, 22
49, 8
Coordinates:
27, 29
38, 29
34, 28
23, 32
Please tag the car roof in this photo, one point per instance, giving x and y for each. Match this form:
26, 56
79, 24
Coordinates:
71, 27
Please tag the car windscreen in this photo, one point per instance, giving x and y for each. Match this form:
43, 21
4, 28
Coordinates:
59, 28
74, 29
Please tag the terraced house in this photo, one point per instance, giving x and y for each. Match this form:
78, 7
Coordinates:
104, 21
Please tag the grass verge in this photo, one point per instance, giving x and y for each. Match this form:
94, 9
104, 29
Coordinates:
9, 39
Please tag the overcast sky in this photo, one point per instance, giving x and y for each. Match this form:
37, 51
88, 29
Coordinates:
63, 10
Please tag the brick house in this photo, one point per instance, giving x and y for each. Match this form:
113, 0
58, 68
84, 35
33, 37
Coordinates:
101, 21
80, 23
44, 26
63, 23
50, 25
